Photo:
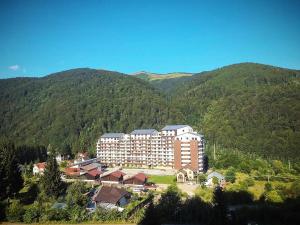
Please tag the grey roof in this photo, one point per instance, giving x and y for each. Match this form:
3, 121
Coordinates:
174, 127
215, 174
144, 131
112, 135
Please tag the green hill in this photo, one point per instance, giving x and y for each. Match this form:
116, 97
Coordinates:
251, 107
70, 109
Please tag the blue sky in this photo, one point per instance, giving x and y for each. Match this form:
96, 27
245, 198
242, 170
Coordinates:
41, 37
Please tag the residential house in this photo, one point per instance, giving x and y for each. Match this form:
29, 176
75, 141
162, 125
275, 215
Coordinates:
115, 177
186, 173
110, 197
81, 157
181, 176
219, 177
93, 174
137, 179
39, 168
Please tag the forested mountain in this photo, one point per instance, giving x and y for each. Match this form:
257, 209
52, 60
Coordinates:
250, 107
71, 109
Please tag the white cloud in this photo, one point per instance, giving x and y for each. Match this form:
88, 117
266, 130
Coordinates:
14, 67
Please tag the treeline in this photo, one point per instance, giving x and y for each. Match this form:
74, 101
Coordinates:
226, 208
30, 154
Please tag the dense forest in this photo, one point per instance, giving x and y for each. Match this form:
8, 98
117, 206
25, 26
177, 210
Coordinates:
71, 109
250, 107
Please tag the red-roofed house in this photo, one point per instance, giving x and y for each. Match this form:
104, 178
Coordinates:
93, 174
70, 171
111, 196
39, 168
114, 177
137, 179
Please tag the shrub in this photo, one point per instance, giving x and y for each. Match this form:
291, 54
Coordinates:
32, 214
15, 211
230, 175
273, 196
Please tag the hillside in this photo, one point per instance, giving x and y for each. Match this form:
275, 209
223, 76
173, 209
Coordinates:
251, 107
157, 76
164, 82
70, 109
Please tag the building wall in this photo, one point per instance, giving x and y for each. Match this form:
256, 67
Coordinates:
156, 149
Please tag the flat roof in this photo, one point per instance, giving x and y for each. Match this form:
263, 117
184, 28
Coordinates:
174, 127
144, 131
112, 135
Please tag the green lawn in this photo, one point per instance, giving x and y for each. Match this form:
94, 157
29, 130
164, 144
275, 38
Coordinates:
158, 179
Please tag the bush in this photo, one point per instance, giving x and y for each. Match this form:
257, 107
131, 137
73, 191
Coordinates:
104, 215
56, 215
32, 214
273, 196
230, 175
15, 211
78, 214
249, 182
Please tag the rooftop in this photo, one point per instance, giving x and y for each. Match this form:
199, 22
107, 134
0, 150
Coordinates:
144, 131
112, 135
174, 127
109, 194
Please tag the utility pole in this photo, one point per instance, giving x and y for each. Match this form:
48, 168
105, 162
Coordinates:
214, 150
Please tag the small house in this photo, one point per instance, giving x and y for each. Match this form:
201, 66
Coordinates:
186, 173
39, 168
217, 176
137, 179
114, 177
111, 197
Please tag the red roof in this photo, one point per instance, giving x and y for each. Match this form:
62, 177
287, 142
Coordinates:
188, 166
109, 195
116, 173
140, 176
72, 171
41, 165
94, 172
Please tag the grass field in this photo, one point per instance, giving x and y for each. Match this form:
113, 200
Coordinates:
166, 179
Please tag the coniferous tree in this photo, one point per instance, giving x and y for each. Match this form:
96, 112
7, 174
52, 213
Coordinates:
51, 180
10, 174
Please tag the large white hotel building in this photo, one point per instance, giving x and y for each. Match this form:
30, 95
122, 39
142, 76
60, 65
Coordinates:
174, 146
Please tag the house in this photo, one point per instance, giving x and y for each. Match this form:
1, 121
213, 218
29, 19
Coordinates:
93, 174
220, 178
114, 177
111, 197
71, 171
91, 166
81, 157
59, 158
181, 176
137, 179
186, 173
39, 168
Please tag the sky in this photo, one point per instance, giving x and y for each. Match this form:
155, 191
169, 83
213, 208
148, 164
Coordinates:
38, 38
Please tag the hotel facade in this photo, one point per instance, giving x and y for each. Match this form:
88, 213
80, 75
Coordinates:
174, 146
